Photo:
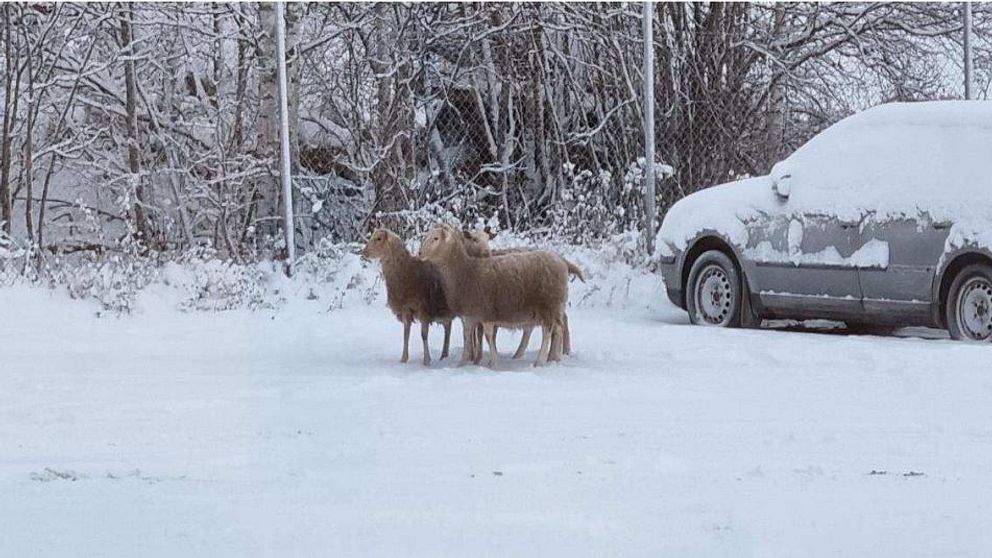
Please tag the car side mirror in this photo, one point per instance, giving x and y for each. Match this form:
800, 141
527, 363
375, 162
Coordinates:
782, 186
781, 175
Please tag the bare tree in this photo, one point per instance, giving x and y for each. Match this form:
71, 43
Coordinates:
157, 122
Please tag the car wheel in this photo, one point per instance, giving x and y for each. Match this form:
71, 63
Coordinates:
714, 291
969, 304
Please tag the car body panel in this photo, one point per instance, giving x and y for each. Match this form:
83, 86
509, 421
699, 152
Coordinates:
903, 291
787, 279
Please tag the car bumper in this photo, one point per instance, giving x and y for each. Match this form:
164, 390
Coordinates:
672, 279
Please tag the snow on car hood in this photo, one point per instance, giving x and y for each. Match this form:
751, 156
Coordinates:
899, 159
722, 208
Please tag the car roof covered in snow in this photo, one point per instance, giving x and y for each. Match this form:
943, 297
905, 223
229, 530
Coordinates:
898, 158
932, 113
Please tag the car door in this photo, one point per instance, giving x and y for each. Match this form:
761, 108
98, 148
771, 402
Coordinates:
801, 265
900, 290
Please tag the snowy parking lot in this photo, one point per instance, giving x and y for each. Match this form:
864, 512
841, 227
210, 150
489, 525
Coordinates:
295, 431
212, 215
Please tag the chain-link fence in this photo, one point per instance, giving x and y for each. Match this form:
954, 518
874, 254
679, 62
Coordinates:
157, 124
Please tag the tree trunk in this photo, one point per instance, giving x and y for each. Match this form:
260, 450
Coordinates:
8, 121
292, 16
237, 134
141, 225
394, 115
775, 114
267, 215
28, 164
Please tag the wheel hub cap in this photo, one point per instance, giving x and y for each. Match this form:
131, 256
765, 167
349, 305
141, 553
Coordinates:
975, 309
714, 296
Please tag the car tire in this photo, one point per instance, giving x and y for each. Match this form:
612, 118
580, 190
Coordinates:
714, 293
969, 304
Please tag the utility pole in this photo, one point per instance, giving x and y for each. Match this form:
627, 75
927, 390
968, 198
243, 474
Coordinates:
287, 182
968, 94
649, 182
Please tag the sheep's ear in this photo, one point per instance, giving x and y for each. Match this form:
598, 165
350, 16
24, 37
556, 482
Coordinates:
490, 232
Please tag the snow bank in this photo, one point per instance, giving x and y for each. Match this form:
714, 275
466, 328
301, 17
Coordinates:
332, 276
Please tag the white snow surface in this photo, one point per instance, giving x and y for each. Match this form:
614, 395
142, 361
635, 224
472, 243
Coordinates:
292, 430
893, 160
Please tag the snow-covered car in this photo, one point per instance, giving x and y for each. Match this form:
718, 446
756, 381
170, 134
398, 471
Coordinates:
883, 219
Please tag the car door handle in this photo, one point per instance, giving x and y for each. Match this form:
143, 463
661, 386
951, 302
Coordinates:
848, 226
941, 226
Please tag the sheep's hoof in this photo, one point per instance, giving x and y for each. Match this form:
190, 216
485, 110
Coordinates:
404, 359
517, 355
427, 361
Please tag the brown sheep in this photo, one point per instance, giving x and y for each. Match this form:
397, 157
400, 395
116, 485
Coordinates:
477, 244
508, 291
414, 289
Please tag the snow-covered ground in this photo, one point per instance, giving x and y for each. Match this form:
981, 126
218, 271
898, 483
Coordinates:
293, 431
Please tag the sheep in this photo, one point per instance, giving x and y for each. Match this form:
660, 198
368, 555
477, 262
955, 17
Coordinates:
478, 247
414, 290
509, 291
477, 244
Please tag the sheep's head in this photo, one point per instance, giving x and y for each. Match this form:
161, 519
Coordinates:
476, 242
440, 242
380, 244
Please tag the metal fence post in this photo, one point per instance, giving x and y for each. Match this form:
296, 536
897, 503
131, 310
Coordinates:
649, 182
287, 183
967, 52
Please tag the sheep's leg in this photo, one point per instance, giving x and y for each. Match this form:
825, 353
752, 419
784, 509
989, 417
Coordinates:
425, 328
468, 336
406, 339
556, 344
490, 331
482, 334
566, 335
479, 344
447, 339
542, 355
524, 341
